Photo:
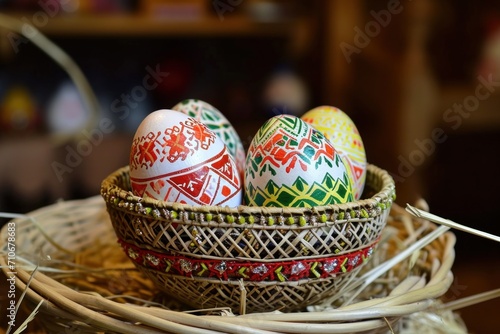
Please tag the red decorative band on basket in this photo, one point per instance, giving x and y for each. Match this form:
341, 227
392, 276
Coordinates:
248, 270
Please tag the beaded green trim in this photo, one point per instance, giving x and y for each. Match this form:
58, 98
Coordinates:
302, 218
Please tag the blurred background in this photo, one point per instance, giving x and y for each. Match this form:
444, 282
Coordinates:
420, 79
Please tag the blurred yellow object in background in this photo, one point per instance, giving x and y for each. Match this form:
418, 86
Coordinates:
18, 110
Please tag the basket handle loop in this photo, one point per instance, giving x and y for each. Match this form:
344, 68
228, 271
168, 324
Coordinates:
67, 64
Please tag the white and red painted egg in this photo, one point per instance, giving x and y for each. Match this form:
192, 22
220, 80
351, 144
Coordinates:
291, 164
339, 128
175, 158
218, 123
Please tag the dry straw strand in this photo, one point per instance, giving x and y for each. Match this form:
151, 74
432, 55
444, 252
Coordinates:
29, 319
451, 224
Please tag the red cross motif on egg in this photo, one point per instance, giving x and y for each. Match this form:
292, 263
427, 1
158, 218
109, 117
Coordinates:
176, 158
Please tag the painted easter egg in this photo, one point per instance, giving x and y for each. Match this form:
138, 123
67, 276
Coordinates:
175, 158
338, 127
291, 164
218, 123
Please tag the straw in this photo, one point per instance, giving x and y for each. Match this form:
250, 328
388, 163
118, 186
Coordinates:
91, 292
451, 224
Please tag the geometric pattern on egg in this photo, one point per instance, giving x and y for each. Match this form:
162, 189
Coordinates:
175, 158
290, 164
338, 127
218, 123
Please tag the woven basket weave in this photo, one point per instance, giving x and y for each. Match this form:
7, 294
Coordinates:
87, 285
249, 258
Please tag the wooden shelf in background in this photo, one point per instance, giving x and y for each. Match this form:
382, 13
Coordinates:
135, 24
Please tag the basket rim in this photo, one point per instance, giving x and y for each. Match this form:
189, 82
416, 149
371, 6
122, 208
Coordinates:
116, 196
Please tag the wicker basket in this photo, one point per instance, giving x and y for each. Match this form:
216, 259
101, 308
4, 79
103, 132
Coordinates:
248, 258
87, 285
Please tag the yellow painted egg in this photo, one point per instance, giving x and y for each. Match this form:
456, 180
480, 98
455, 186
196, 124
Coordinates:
338, 127
291, 164
175, 158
